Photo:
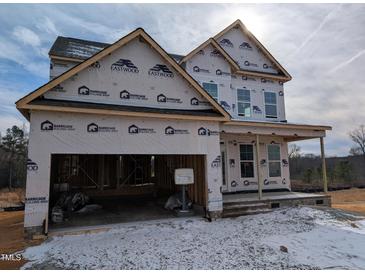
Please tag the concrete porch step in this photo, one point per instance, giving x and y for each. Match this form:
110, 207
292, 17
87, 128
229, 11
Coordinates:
239, 209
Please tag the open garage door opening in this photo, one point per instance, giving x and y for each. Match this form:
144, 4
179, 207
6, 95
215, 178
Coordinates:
89, 189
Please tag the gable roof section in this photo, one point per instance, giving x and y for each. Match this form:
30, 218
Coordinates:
24, 103
286, 76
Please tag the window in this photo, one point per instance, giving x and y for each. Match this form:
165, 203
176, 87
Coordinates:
270, 105
243, 102
273, 152
212, 89
247, 161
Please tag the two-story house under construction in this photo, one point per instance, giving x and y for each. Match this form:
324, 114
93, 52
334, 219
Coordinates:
116, 120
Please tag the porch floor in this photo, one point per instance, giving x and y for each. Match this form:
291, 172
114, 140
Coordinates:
269, 196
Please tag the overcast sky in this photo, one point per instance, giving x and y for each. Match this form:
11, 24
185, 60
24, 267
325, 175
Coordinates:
322, 47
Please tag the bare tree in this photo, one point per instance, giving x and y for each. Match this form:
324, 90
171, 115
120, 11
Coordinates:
294, 151
358, 137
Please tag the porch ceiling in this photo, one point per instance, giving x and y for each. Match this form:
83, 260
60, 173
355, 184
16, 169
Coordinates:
291, 132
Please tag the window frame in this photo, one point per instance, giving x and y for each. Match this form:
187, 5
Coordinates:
253, 160
209, 93
275, 161
271, 104
240, 101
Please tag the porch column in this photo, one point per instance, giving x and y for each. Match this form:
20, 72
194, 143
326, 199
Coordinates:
324, 172
259, 183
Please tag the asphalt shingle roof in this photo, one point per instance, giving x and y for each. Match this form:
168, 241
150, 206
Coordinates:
83, 49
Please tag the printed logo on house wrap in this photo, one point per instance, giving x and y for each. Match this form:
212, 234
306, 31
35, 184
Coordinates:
58, 88
49, 126
196, 102
256, 109
133, 129
247, 78
245, 46
216, 162
93, 128
226, 43
161, 98
215, 53
161, 70
220, 72
206, 132
36, 200
201, 52
124, 65
266, 66
126, 95
171, 131
197, 69
31, 166
264, 80
85, 91
250, 64
95, 66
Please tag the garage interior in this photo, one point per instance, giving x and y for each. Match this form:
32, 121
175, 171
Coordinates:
115, 188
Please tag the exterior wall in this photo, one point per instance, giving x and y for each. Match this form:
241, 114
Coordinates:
244, 51
57, 67
210, 67
133, 75
234, 180
56, 132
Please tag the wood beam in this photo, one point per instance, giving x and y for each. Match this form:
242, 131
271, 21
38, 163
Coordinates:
259, 183
324, 171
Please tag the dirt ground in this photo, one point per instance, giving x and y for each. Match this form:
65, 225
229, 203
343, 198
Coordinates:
11, 198
349, 199
12, 237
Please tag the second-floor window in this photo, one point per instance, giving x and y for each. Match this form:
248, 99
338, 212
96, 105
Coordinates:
212, 89
271, 108
243, 102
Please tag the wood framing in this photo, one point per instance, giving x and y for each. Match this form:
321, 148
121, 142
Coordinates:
123, 113
23, 103
278, 125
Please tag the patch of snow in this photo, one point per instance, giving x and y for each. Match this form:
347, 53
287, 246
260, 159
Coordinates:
315, 239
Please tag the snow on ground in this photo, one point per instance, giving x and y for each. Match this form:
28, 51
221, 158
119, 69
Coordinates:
315, 238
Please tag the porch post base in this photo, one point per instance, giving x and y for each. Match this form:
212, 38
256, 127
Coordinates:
213, 215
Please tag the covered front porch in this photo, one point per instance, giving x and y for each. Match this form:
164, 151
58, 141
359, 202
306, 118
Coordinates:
255, 164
